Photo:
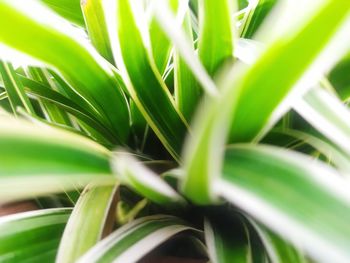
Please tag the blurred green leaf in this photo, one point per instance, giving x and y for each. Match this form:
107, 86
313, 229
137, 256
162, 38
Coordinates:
224, 247
155, 102
40, 91
278, 249
52, 113
242, 4
254, 17
249, 98
3, 95
161, 46
143, 180
284, 60
215, 43
69, 9
97, 28
39, 33
271, 185
328, 115
88, 222
335, 155
32, 236
134, 240
340, 77
38, 160
14, 89
187, 89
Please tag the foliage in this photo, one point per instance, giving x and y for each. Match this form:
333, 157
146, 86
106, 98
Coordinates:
214, 130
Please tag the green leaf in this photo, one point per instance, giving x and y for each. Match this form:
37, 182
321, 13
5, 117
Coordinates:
328, 115
161, 46
335, 155
44, 36
97, 28
14, 89
242, 4
32, 236
194, 6
271, 184
284, 60
183, 46
39, 160
52, 113
223, 247
155, 102
254, 17
143, 180
134, 240
239, 242
278, 249
40, 91
69, 9
320, 108
187, 90
215, 45
340, 79
3, 95
88, 222
246, 92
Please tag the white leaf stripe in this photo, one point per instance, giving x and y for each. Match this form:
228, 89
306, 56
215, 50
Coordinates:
249, 51
145, 245
210, 241
142, 179
267, 214
23, 187
327, 114
14, 89
34, 214
320, 229
278, 253
32, 236
336, 155
149, 233
3, 95
87, 222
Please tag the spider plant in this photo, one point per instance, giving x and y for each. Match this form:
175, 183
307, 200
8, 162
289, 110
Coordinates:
186, 130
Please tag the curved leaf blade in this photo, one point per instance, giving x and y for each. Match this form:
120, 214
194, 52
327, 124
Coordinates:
215, 43
14, 89
254, 17
327, 114
32, 236
38, 160
134, 240
187, 89
271, 184
143, 180
287, 64
154, 102
96, 26
87, 223
278, 249
161, 46
43, 35
40, 91
246, 92
224, 249
69, 9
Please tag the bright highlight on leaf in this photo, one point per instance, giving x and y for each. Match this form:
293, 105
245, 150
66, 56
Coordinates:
274, 186
174, 131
